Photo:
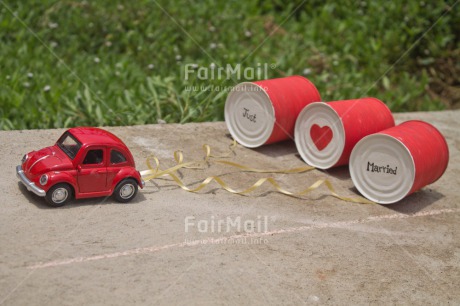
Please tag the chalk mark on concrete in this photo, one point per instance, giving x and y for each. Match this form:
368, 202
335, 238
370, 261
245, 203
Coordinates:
221, 240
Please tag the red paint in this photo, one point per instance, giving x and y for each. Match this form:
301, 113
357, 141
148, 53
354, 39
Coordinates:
321, 136
360, 117
288, 96
87, 180
428, 148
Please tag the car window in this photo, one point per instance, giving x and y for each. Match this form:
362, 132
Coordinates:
69, 145
94, 157
117, 157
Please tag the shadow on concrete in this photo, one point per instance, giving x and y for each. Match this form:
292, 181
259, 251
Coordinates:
416, 201
340, 173
40, 202
277, 149
32, 198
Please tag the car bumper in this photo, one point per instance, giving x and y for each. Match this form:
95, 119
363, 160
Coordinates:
29, 184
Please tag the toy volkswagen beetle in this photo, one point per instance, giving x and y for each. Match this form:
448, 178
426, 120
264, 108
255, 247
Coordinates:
84, 163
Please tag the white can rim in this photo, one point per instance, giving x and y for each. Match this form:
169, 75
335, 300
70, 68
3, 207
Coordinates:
258, 95
368, 185
321, 114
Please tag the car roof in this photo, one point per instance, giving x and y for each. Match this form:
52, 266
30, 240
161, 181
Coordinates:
95, 136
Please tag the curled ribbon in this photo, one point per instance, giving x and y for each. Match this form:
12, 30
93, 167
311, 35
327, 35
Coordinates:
154, 171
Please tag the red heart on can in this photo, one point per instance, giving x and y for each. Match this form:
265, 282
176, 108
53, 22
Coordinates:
321, 136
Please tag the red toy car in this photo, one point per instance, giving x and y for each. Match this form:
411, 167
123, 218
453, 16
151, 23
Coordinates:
84, 163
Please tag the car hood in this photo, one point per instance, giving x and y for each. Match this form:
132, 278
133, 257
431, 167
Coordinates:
45, 160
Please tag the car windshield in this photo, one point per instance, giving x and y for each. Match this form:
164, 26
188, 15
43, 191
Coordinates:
69, 145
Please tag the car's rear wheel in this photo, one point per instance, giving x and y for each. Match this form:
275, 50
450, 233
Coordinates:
59, 195
126, 190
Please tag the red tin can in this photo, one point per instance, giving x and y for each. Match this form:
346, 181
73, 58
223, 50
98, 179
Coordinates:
264, 112
389, 165
325, 133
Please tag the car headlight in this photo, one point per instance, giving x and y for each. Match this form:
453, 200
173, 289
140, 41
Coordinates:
24, 158
43, 179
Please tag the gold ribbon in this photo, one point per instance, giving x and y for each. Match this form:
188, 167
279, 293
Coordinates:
154, 171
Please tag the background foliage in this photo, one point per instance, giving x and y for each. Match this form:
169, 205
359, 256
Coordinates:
67, 63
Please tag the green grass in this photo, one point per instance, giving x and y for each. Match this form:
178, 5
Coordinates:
122, 64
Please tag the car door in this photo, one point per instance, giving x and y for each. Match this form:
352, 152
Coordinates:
117, 161
92, 171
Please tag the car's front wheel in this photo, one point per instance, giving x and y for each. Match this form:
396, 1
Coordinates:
126, 190
59, 195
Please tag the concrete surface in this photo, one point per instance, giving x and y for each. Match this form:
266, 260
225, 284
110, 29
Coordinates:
318, 250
